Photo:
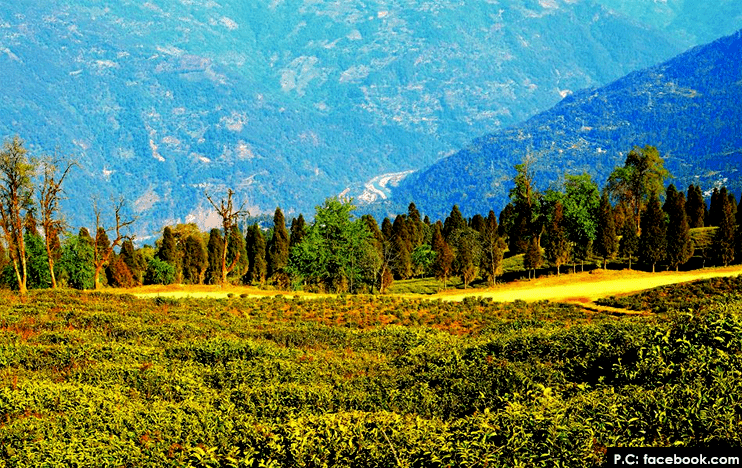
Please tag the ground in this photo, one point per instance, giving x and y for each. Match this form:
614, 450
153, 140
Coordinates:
582, 288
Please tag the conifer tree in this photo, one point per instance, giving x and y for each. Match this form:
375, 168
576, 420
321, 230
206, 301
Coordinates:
443, 262
557, 246
652, 243
236, 253
478, 223
278, 248
723, 243
387, 229
606, 241
168, 248
714, 214
492, 249
629, 244
454, 222
298, 231
738, 235
214, 249
415, 227
467, 256
507, 218
128, 256
256, 249
532, 257
679, 243
695, 207
402, 248
195, 259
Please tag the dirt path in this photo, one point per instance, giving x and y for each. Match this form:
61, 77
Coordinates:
587, 287
581, 288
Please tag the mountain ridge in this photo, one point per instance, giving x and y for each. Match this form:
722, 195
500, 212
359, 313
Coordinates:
686, 107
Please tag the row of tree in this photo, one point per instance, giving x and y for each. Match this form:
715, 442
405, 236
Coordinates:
569, 222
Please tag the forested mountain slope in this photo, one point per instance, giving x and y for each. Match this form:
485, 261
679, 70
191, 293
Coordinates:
288, 102
687, 107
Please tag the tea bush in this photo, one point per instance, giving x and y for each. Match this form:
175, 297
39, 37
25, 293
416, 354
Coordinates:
103, 380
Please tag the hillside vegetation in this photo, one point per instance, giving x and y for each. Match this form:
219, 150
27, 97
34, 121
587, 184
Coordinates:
90, 379
160, 99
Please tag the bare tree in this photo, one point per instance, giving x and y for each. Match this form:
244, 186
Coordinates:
15, 200
230, 218
102, 253
49, 196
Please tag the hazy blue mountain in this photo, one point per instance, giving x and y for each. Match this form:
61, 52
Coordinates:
289, 102
688, 107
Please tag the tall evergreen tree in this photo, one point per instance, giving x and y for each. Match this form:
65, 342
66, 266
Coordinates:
195, 259
278, 248
298, 231
236, 253
679, 243
168, 251
443, 263
128, 256
652, 243
714, 214
557, 245
478, 223
256, 249
532, 258
415, 227
606, 241
723, 243
214, 249
467, 254
695, 207
492, 249
629, 244
402, 247
454, 222
387, 229
738, 234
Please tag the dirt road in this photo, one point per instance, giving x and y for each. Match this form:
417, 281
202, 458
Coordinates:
587, 287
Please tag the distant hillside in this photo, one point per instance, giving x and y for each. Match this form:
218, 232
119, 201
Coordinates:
689, 107
289, 102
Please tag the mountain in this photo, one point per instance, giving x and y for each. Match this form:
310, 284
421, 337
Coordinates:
290, 102
687, 107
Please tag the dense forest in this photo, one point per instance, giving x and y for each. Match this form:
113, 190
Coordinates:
634, 218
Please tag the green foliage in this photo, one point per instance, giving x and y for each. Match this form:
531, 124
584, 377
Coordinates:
556, 244
159, 272
493, 247
695, 207
103, 380
606, 241
336, 252
679, 243
255, 247
443, 263
422, 259
195, 259
214, 251
76, 262
723, 244
642, 174
629, 243
652, 242
278, 247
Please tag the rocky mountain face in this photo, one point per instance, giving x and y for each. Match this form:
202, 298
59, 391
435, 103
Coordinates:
290, 102
687, 107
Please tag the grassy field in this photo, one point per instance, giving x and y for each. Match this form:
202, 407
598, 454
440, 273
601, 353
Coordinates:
99, 379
